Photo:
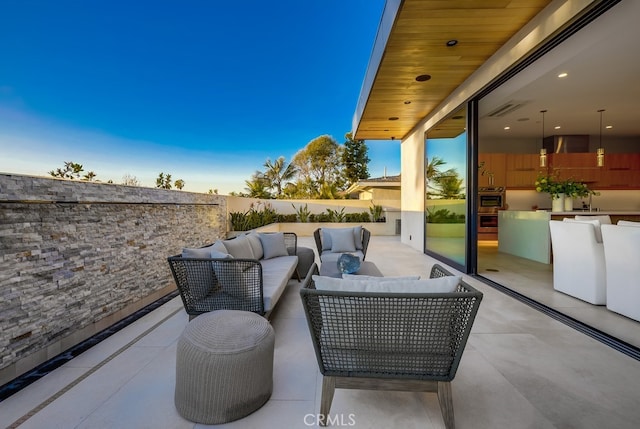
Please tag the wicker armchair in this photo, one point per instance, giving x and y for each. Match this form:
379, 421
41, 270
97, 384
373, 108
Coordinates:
366, 236
201, 289
390, 341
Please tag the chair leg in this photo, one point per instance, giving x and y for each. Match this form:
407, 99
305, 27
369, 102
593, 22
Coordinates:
328, 389
445, 398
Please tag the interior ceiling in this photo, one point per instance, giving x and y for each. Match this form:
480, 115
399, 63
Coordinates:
417, 45
602, 73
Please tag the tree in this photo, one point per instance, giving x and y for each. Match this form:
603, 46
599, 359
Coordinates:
71, 170
257, 186
163, 181
213, 191
89, 176
130, 180
319, 165
355, 159
433, 172
278, 174
179, 184
449, 186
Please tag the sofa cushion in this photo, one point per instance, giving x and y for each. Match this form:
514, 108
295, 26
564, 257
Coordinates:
220, 255
256, 245
445, 284
219, 246
276, 273
273, 245
239, 247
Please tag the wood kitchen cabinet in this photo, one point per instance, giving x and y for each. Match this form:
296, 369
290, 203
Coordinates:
494, 163
621, 171
523, 170
580, 167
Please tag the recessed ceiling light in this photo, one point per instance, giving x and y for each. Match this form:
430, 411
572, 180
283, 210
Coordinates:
561, 75
452, 42
393, 118
557, 127
387, 129
507, 128
457, 117
423, 77
609, 127
407, 101
522, 119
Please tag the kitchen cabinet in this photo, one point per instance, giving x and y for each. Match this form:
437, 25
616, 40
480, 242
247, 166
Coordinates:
494, 164
580, 167
620, 171
523, 170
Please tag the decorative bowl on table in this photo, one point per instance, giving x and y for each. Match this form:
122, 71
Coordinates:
348, 264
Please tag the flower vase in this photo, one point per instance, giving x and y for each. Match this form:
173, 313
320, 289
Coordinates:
568, 203
557, 203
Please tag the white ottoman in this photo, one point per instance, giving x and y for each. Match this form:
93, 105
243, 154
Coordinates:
224, 366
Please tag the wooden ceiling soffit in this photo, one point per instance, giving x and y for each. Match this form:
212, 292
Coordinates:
417, 45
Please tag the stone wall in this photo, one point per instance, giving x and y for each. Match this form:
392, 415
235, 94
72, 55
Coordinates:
76, 257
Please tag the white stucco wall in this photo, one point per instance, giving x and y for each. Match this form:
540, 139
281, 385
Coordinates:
543, 26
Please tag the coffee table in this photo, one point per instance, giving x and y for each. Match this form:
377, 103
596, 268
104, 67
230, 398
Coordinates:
367, 268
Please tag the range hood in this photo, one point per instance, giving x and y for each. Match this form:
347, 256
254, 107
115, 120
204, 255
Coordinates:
567, 143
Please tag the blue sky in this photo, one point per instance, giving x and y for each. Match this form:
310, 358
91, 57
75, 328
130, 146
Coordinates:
203, 90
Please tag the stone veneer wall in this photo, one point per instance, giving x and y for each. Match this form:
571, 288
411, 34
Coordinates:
77, 257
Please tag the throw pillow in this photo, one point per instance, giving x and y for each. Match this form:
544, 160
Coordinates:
378, 279
325, 238
595, 223
273, 245
197, 253
219, 246
256, 245
357, 236
445, 284
239, 247
220, 255
342, 240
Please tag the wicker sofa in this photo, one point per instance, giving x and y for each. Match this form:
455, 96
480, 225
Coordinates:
376, 339
330, 249
249, 273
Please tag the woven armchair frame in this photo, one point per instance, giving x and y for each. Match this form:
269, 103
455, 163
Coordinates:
366, 237
391, 341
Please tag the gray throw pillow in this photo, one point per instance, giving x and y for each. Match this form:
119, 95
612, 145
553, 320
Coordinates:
325, 238
357, 236
197, 253
239, 247
342, 240
273, 245
256, 245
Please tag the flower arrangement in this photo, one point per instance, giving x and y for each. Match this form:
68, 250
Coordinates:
550, 185
555, 187
576, 189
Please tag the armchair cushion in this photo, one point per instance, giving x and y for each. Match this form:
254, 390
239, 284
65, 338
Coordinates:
239, 247
446, 284
379, 279
273, 245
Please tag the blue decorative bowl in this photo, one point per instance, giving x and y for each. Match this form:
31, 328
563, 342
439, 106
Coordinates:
348, 264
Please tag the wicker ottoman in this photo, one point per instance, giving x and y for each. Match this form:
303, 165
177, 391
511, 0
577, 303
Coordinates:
224, 366
306, 258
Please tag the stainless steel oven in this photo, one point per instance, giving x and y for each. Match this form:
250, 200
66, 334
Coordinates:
490, 200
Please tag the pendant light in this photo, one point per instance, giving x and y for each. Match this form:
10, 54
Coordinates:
543, 151
600, 151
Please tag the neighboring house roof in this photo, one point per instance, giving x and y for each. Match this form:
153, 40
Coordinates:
385, 182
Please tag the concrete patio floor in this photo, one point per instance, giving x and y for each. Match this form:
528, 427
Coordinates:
521, 369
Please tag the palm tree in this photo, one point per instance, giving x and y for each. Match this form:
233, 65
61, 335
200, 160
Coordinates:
278, 173
257, 186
